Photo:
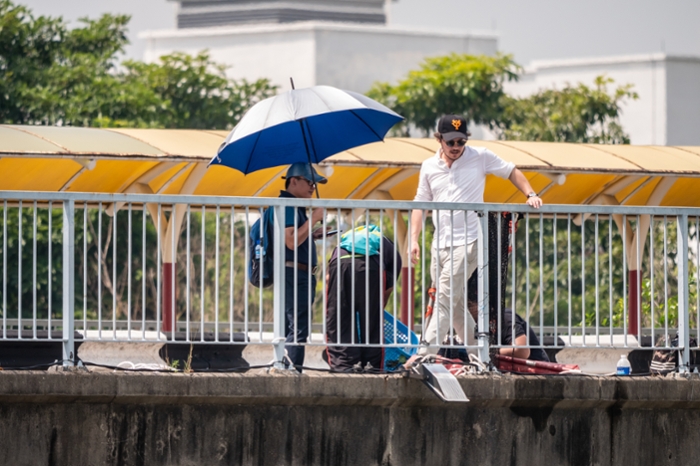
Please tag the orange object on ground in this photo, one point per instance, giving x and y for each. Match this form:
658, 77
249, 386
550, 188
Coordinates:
431, 302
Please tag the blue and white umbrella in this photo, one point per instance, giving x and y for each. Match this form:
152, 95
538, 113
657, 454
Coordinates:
304, 125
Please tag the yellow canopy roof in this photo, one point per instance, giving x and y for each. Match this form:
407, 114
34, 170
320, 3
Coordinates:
41, 158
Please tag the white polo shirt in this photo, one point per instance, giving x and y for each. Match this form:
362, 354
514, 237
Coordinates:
463, 182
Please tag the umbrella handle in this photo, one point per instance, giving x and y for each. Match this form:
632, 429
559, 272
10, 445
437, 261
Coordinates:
308, 155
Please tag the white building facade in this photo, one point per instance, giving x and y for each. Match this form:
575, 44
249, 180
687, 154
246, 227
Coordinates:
668, 109
345, 55
342, 43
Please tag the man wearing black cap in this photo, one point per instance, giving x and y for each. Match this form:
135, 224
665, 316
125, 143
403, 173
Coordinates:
300, 182
457, 173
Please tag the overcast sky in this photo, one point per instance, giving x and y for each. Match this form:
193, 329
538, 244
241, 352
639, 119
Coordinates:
531, 29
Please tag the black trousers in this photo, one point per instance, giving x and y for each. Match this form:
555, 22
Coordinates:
297, 330
354, 322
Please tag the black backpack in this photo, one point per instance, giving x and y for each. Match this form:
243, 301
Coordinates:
261, 263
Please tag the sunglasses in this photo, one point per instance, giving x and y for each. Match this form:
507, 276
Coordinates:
311, 183
458, 142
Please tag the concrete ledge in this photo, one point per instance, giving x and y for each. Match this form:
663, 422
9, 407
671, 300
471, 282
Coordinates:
68, 418
491, 390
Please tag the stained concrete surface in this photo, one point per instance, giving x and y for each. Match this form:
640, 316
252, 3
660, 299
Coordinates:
255, 418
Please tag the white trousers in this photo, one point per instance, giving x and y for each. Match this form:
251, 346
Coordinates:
447, 271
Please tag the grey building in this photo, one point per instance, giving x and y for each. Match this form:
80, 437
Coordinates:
204, 13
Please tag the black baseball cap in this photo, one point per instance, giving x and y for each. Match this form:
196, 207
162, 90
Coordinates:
304, 170
452, 127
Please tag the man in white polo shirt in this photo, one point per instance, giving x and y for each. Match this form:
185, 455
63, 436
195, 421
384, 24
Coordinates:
457, 173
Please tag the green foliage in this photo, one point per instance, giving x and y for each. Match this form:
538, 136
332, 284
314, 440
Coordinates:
473, 86
99, 292
27, 48
191, 92
53, 75
659, 297
573, 114
19, 227
457, 83
575, 287
590, 277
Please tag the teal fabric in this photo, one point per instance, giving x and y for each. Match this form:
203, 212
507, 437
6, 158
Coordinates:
367, 240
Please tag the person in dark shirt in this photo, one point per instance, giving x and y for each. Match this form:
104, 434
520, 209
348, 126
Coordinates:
370, 280
300, 182
513, 333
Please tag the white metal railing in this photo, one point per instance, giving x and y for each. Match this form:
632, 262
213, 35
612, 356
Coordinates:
174, 268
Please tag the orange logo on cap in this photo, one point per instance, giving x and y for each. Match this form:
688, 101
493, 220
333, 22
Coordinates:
456, 124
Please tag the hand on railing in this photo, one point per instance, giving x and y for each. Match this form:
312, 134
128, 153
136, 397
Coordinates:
534, 201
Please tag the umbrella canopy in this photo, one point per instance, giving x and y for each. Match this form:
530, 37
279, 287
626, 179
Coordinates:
304, 125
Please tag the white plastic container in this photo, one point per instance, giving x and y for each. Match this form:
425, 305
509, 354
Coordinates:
623, 366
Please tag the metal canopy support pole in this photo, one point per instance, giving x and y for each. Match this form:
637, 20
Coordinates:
68, 283
636, 254
169, 229
483, 277
171, 237
278, 287
683, 320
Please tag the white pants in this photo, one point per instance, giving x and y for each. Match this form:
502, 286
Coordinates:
447, 271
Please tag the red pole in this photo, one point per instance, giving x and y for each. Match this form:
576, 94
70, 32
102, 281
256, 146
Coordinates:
634, 302
168, 302
407, 294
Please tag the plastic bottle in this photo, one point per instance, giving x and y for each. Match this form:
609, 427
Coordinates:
258, 250
623, 366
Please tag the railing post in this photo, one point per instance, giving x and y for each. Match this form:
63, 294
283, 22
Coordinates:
68, 283
683, 319
483, 280
278, 287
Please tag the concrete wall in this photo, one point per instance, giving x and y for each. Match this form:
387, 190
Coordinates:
683, 91
343, 55
263, 52
154, 419
354, 59
668, 109
643, 119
